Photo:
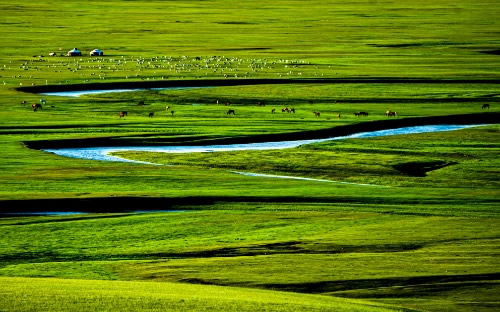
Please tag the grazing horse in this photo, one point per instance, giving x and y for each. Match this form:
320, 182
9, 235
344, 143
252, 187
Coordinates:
23, 102
167, 108
123, 114
291, 110
229, 112
42, 101
285, 109
363, 114
36, 106
316, 114
485, 106
172, 112
356, 114
273, 110
151, 115
261, 103
391, 114
141, 103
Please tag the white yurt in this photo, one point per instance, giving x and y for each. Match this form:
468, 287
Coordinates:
96, 52
74, 52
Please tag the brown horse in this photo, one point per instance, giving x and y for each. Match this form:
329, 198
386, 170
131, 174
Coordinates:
36, 106
317, 114
485, 106
391, 114
123, 114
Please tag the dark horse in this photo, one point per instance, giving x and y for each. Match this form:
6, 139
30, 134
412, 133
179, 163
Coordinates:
229, 112
123, 114
485, 106
36, 106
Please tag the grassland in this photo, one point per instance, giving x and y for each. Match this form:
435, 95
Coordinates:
406, 223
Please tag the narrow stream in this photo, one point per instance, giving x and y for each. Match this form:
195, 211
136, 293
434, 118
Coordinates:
105, 153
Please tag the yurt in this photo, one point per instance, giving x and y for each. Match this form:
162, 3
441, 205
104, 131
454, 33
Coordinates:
96, 52
74, 52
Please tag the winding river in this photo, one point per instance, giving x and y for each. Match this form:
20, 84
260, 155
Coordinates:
105, 153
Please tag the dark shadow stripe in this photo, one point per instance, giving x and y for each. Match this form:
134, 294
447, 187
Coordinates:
241, 82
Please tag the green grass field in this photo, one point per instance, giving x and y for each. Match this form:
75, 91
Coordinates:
406, 223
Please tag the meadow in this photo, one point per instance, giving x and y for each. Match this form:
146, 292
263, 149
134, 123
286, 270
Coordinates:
404, 223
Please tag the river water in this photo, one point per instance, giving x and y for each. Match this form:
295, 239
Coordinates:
105, 153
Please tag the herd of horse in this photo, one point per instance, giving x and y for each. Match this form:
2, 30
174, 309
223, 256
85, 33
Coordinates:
388, 113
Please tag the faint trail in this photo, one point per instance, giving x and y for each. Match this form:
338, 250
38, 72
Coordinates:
250, 174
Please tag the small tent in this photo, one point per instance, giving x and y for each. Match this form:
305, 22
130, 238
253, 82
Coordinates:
96, 52
74, 52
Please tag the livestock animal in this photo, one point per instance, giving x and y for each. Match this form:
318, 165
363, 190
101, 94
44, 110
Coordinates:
285, 109
151, 115
23, 102
172, 112
228, 104
42, 101
485, 106
36, 106
261, 103
338, 116
317, 114
229, 112
391, 114
273, 110
167, 108
123, 114
141, 103
291, 110
361, 114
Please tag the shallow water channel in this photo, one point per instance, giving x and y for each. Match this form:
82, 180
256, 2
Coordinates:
91, 92
105, 153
